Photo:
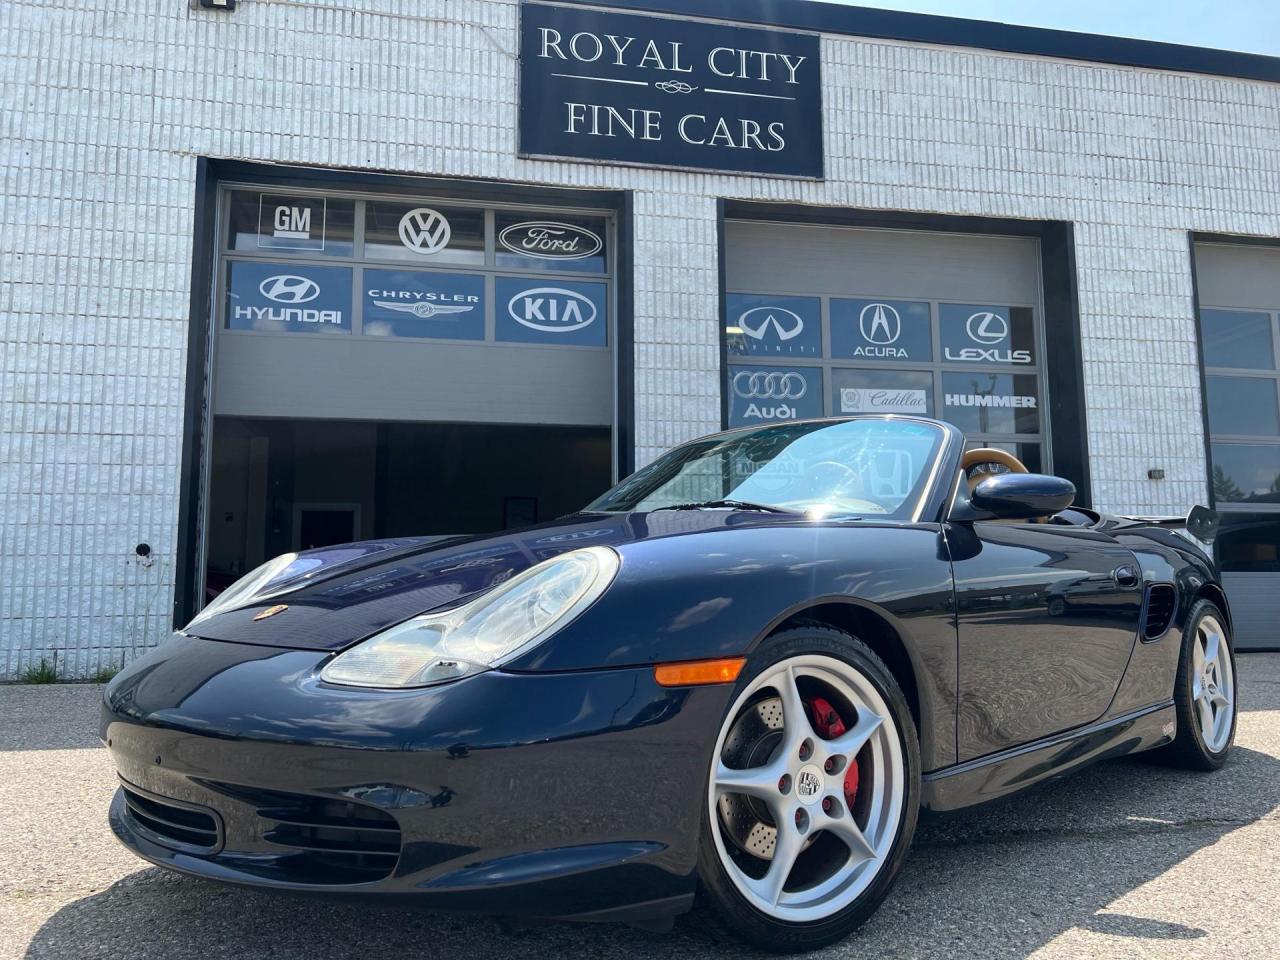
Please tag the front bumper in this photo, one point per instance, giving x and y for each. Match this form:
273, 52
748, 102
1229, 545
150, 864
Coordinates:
564, 794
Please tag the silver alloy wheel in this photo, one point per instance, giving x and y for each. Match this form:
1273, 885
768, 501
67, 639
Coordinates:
801, 786
1213, 687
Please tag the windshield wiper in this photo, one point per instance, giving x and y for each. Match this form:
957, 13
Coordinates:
730, 504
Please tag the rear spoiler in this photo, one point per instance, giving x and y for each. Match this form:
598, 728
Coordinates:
1201, 523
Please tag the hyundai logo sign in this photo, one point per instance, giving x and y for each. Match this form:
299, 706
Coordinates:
289, 288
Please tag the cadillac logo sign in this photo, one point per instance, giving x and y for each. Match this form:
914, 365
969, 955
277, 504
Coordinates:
549, 240
660, 91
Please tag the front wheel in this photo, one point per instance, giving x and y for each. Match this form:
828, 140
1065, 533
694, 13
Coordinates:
813, 792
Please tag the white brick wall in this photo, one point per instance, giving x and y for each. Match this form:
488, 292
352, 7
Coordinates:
107, 107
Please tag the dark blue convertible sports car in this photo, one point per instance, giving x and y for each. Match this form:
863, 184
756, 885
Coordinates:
741, 673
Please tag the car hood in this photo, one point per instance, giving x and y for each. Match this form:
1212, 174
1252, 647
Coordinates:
354, 590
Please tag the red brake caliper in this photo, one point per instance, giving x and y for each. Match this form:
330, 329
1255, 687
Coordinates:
828, 725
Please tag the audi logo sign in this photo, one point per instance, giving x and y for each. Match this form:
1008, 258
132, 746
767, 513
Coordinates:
289, 288
756, 385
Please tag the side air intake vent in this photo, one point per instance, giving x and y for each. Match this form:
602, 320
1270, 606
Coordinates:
1158, 610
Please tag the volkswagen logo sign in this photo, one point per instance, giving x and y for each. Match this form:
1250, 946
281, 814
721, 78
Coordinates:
758, 321
880, 323
987, 328
769, 385
289, 288
552, 309
425, 231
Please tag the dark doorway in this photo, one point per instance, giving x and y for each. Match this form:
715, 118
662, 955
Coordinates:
281, 485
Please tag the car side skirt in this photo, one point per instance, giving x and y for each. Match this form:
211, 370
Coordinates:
1000, 774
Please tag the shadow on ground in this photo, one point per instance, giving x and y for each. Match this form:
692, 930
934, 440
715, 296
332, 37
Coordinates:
995, 882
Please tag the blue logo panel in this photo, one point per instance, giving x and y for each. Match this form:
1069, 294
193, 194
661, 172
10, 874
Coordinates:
880, 330
979, 334
289, 298
413, 303
551, 311
762, 326
772, 394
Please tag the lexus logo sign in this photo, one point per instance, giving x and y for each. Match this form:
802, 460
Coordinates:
425, 231
987, 328
880, 323
288, 288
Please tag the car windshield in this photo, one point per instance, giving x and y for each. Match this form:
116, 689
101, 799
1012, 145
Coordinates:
863, 467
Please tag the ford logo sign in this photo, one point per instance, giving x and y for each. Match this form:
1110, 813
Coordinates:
552, 309
550, 240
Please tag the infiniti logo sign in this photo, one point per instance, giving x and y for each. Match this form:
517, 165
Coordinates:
785, 324
289, 288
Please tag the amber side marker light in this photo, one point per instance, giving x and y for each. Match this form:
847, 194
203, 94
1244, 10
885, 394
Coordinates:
697, 672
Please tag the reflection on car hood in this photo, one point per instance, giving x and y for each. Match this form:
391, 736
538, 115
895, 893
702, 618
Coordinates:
363, 588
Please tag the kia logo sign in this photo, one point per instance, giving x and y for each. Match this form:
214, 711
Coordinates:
425, 230
785, 324
550, 240
987, 328
880, 323
552, 309
289, 288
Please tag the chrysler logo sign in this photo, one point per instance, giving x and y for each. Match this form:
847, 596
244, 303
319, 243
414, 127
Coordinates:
552, 309
425, 230
879, 323
289, 288
549, 240
785, 324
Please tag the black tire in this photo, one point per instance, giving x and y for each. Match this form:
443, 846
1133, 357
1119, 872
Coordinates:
1188, 749
718, 892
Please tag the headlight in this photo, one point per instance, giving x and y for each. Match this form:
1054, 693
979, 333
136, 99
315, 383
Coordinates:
482, 633
247, 588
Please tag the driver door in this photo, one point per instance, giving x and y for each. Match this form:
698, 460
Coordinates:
1047, 616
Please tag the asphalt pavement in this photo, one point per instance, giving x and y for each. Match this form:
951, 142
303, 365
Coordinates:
1124, 860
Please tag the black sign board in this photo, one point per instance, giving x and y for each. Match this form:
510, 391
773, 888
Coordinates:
621, 88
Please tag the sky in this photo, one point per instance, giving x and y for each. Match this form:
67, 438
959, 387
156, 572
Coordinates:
1249, 25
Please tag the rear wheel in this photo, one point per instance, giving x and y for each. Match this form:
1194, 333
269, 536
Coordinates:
1204, 694
813, 792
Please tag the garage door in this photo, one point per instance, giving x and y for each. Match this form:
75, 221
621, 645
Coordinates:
824, 321
406, 308
1239, 292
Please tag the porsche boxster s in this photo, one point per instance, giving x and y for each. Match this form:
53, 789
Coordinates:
740, 674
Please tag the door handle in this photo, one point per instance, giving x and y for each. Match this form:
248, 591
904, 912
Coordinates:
1125, 575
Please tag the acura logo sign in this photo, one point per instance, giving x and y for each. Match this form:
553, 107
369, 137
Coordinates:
987, 328
880, 323
425, 230
758, 385
288, 288
785, 324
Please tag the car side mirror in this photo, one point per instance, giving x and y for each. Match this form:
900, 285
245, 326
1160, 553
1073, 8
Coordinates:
1016, 496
